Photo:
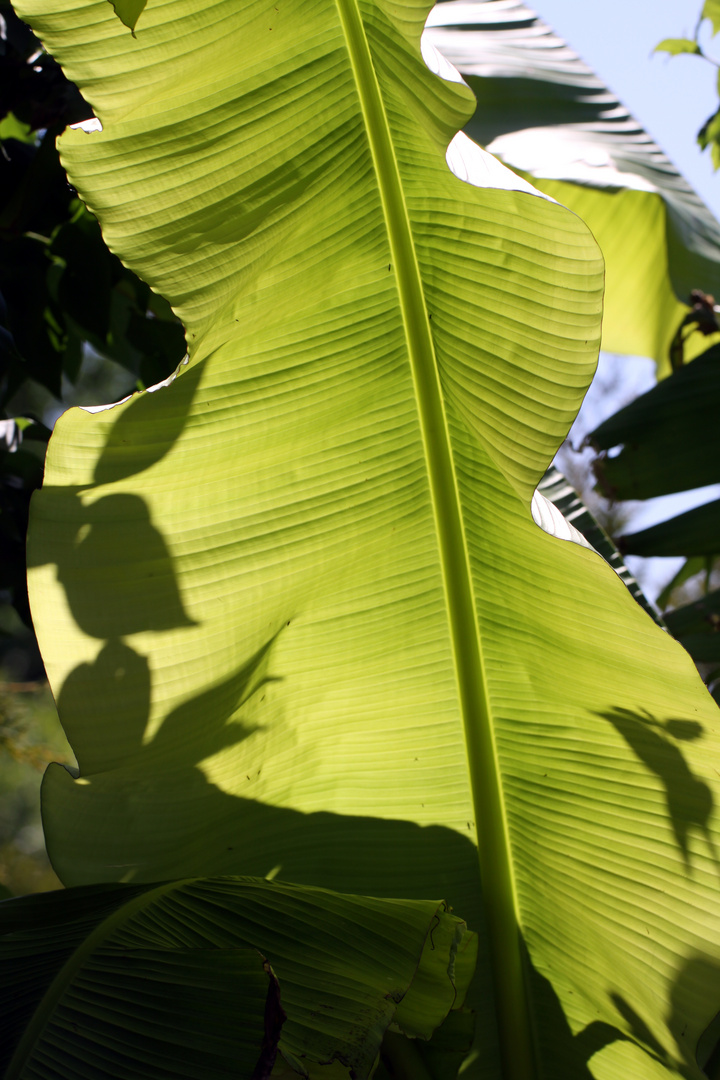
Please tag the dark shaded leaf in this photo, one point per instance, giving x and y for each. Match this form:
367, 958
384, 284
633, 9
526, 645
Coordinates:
670, 436
701, 616
128, 981
696, 532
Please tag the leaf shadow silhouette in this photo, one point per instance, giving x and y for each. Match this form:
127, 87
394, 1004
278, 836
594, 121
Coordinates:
694, 989
114, 565
111, 559
696, 993
142, 433
106, 746
570, 1052
144, 810
654, 742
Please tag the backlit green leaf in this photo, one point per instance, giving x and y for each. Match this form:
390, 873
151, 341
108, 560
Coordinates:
675, 46
295, 610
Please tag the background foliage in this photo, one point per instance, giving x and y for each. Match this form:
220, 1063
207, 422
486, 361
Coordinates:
76, 327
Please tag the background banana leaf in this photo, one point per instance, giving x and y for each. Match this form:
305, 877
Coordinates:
294, 608
555, 488
544, 112
664, 442
668, 438
697, 626
696, 532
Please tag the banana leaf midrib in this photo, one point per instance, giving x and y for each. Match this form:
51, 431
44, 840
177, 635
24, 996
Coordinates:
493, 839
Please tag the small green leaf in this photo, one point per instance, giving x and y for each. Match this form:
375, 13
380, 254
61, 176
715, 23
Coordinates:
129, 11
12, 128
675, 46
711, 11
710, 129
709, 136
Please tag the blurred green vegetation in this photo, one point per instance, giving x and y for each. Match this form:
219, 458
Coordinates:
30, 738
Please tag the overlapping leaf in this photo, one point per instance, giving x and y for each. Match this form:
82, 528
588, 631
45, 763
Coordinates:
667, 439
212, 978
543, 111
294, 607
697, 626
696, 532
558, 491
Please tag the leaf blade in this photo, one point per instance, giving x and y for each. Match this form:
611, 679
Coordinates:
660, 451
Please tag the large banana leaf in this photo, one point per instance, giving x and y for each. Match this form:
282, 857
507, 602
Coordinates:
294, 608
544, 112
209, 979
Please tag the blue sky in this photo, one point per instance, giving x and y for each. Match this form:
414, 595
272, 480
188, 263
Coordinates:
671, 97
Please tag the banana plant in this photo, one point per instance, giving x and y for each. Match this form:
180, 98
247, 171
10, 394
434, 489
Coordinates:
298, 618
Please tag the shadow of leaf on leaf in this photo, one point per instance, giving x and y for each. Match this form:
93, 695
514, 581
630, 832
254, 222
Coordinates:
113, 563
571, 1051
655, 743
107, 741
147, 427
695, 994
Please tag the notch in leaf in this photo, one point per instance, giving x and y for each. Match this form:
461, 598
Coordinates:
128, 12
